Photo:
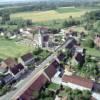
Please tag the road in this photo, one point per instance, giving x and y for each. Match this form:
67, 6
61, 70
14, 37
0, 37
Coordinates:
23, 84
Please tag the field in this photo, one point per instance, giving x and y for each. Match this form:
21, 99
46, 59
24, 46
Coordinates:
9, 48
68, 9
49, 15
60, 13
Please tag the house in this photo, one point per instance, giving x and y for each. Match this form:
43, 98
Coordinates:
61, 56
7, 79
6, 64
73, 33
9, 62
3, 69
52, 69
77, 82
17, 70
26, 59
80, 58
72, 43
96, 87
13, 37
77, 48
78, 53
34, 88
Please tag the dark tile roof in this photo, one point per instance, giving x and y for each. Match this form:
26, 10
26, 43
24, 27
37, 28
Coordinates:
27, 57
8, 78
79, 57
17, 68
61, 56
46, 38
71, 44
79, 81
96, 87
36, 86
52, 69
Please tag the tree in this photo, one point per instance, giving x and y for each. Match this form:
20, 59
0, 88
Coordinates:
90, 69
61, 87
97, 26
68, 53
29, 22
86, 94
88, 58
68, 89
65, 24
5, 16
88, 43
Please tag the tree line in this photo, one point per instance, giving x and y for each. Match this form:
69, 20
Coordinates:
43, 5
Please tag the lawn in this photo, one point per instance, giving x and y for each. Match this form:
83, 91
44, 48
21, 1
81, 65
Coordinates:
53, 86
60, 13
93, 51
90, 51
9, 48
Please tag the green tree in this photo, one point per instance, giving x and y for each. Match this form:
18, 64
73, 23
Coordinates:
88, 43
5, 16
86, 94
90, 69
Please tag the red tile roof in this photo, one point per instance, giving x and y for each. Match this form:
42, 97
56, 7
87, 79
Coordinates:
51, 70
24, 97
27, 57
78, 80
55, 63
36, 86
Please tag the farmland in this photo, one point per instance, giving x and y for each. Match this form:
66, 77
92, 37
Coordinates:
60, 13
9, 48
40, 16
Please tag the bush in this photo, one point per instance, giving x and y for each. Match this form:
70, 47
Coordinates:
89, 43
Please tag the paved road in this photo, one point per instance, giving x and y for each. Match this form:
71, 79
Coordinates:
23, 84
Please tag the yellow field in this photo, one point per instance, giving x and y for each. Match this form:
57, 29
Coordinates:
46, 15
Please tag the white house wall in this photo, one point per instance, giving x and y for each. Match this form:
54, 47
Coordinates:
74, 86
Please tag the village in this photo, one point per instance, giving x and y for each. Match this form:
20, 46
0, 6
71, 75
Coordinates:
59, 60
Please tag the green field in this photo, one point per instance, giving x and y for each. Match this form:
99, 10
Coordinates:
60, 13
41, 16
68, 9
9, 48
